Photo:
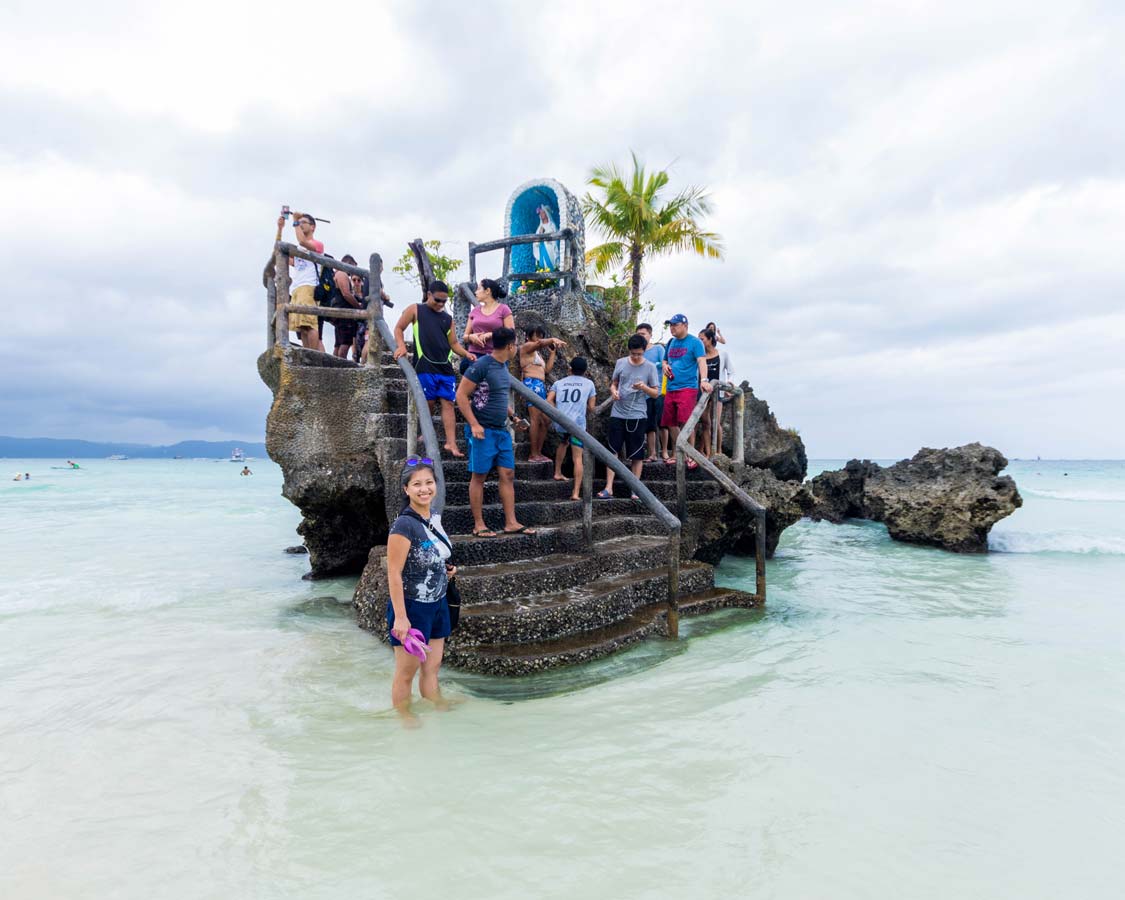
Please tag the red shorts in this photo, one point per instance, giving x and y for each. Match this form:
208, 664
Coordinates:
678, 406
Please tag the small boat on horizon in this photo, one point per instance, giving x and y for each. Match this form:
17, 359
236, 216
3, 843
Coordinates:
117, 456
237, 456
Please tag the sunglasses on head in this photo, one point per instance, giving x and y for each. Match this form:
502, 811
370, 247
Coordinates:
419, 460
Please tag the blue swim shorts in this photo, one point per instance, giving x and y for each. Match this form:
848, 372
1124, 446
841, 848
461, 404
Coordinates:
555, 426
438, 387
495, 449
432, 619
537, 385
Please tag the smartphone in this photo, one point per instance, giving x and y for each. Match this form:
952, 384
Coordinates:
285, 212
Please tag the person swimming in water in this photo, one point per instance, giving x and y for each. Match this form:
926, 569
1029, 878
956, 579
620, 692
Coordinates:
245, 471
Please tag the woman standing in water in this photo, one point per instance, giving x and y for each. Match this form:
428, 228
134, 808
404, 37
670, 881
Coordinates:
487, 317
418, 570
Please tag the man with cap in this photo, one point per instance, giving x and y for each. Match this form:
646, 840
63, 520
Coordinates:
685, 366
434, 338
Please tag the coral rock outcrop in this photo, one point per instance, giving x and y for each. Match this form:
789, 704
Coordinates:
947, 498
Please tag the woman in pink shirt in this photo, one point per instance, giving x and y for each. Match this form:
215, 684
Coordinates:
487, 317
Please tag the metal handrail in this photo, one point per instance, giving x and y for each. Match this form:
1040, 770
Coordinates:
685, 450
278, 314
593, 448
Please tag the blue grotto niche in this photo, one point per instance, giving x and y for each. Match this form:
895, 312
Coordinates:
545, 205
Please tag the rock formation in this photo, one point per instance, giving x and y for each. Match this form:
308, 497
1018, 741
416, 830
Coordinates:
324, 431
768, 445
946, 498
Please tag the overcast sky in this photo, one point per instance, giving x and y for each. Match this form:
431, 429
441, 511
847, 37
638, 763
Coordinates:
923, 203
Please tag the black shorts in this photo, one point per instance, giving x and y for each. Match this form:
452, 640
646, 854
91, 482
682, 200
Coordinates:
655, 407
345, 331
627, 437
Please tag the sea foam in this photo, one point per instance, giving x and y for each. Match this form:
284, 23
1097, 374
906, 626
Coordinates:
1078, 496
1055, 542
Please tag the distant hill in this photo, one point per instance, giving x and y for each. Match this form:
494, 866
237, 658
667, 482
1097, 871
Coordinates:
66, 448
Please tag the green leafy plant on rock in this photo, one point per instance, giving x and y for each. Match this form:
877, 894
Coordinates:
444, 266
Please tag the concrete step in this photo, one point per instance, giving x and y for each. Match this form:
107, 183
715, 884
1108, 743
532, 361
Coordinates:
564, 537
493, 582
457, 492
666, 490
595, 604
458, 519
520, 658
458, 470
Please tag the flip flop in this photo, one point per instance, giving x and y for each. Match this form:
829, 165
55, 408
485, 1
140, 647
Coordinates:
523, 529
669, 461
634, 497
603, 495
415, 644
692, 464
486, 533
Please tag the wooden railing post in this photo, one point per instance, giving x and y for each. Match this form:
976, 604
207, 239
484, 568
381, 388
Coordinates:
473, 264
587, 495
283, 284
738, 439
375, 311
271, 312
411, 424
674, 582
681, 485
716, 420
760, 554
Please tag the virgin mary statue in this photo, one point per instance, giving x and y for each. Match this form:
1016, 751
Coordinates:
546, 254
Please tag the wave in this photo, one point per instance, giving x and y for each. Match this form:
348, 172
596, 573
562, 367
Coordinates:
1078, 496
1055, 542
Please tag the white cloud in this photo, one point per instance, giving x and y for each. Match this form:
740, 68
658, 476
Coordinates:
921, 202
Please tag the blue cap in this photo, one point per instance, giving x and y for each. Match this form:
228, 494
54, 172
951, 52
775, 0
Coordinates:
677, 319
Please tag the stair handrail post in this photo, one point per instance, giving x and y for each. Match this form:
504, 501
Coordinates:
271, 312
413, 386
738, 423
473, 263
282, 289
760, 554
685, 451
674, 581
375, 310
716, 420
588, 498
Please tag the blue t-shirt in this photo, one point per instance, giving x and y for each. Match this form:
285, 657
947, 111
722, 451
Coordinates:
682, 356
423, 573
655, 354
490, 399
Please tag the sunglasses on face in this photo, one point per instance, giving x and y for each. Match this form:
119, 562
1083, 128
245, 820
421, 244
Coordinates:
419, 460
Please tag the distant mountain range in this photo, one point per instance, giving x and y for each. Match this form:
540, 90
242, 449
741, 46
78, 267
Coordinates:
66, 448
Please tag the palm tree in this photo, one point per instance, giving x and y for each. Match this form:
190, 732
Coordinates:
631, 214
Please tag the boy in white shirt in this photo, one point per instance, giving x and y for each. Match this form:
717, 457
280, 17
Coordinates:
574, 396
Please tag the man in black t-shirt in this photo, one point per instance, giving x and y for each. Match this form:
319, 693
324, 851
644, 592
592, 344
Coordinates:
434, 338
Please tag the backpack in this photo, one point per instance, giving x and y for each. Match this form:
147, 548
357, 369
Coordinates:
325, 291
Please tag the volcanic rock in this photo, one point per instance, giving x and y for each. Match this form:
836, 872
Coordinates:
947, 498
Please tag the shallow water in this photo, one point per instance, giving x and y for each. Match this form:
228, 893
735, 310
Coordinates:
182, 716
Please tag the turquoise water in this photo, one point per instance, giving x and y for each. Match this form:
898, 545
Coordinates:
182, 716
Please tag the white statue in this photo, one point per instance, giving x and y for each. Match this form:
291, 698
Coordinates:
546, 254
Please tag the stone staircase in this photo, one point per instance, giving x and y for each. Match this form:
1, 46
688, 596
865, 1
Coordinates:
534, 602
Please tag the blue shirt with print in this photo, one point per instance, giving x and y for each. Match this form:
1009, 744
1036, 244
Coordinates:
682, 356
